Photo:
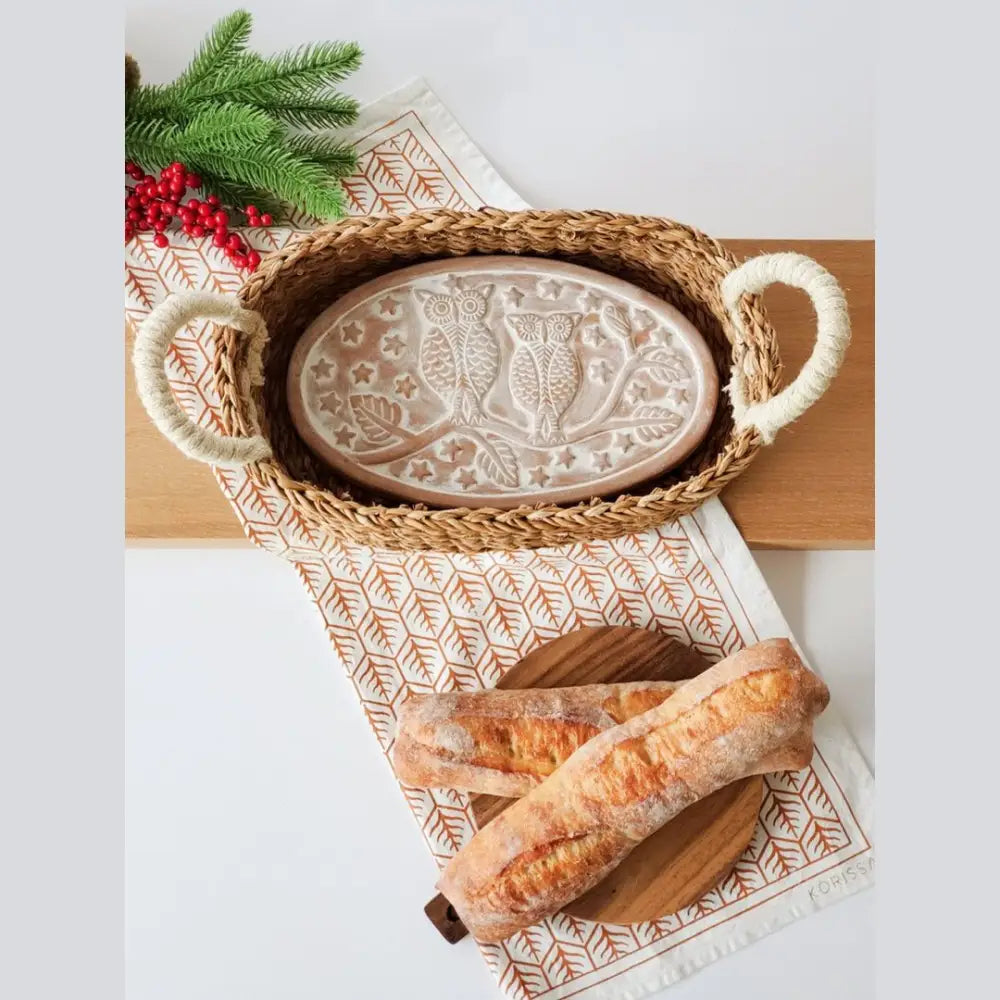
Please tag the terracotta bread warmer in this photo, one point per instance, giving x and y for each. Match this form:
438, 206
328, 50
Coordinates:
259, 330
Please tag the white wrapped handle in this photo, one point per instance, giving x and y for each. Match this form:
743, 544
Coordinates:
833, 334
152, 342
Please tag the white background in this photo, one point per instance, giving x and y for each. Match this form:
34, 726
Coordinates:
269, 852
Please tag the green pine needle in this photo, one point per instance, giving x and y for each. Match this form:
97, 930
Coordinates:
338, 158
328, 111
288, 75
274, 168
227, 128
223, 46
233, 193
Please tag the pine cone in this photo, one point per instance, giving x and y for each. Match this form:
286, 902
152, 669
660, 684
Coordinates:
131, 73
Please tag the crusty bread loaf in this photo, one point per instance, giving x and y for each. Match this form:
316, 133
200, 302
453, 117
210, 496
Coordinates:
505, 742
622, 785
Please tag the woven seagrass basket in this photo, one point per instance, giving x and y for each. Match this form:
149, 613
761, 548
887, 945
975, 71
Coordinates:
693, 272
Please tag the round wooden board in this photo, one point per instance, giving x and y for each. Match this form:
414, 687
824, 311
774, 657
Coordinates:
695, 850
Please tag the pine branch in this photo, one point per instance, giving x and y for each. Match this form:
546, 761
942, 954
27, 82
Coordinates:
151, 100
272, 167
220, 50
288, 75
338, 158
225, 129
228, 128
327, 111
226, 117
233, 193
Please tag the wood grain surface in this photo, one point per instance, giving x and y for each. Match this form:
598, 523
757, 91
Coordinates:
684, 858
814, 488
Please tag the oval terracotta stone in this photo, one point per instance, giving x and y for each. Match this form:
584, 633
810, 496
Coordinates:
498, 381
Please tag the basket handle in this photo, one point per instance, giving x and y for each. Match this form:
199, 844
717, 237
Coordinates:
153, 339
833, 334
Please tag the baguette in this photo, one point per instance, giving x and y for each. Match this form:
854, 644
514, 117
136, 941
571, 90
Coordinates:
622, 785
505, 743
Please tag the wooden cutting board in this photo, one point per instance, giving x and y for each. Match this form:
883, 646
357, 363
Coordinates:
691, 853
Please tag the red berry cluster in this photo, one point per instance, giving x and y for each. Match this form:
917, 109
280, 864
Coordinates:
151, 204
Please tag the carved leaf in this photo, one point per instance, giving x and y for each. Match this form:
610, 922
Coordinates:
377, 417
616, 320
497, 459
655, 423
667, 366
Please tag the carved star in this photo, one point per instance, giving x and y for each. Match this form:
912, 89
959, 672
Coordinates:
362, 373
343, 436
659, 336
377, 328
466, 478
565, 458
405, 386
601, 461
678, 395
453, 450
538, 476
591, 301
393, 344
637, 391
387, 307
452, 283
514, 296
601, 371
643, 317
626, 443
322, 368
592, 335
420, 471
549, 289
352, 333
331, 402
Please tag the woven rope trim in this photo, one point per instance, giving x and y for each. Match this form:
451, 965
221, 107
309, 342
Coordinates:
153, 338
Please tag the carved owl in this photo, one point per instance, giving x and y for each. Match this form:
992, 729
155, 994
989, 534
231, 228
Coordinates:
459, 354
545, 371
